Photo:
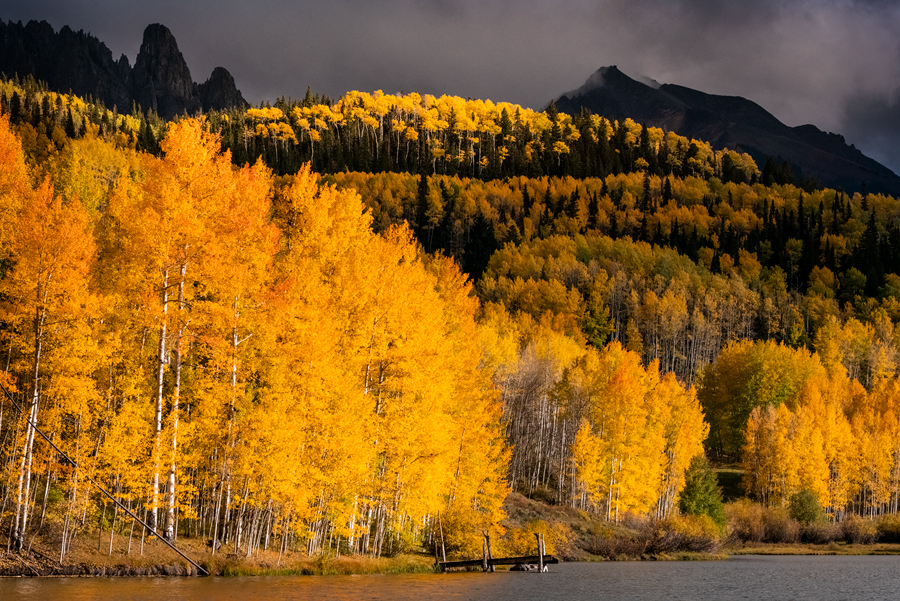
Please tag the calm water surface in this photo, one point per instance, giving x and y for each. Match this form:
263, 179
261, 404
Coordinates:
748, 577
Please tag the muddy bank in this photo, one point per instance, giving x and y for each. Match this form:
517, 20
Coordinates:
33, 565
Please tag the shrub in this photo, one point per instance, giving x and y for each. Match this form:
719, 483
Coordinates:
779, 526
752, 523
804, 507
615, 546
522, 541
888, 527
821, 533
678, 533
859, 531
635, 521
698, 533
745, 521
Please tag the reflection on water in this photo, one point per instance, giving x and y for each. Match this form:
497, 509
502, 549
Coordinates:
749, 577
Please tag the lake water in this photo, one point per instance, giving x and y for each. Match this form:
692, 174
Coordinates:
745, 577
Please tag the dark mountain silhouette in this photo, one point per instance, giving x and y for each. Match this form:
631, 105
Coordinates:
160, 79
219, 92
731, 122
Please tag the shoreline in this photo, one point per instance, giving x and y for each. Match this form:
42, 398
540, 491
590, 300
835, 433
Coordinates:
94, 564
573, 536
13, 565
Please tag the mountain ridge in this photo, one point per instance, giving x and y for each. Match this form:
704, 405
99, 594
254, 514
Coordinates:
160, 79
731, 122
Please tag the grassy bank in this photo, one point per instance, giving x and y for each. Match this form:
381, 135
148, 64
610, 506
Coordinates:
834, 548
579, 536
582, 537
571, 535
91, 554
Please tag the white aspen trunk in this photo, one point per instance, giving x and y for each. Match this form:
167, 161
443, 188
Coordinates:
112, 528
172, 496
226, 480
131, 532
225, 522
270, 522
215, 536
24, 488
160, 373
46, 498
71, 505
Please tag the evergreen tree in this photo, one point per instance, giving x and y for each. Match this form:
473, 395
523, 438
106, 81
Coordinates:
701, 494
667, 195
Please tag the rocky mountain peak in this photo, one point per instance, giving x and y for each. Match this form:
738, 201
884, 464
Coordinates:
730, 122
162, 80
76, 61
219, 91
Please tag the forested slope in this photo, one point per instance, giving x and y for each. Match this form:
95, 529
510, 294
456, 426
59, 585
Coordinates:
351, 362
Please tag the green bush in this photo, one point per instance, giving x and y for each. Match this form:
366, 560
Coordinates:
804, 507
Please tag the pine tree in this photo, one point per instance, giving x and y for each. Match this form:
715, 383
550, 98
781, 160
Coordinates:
702, 494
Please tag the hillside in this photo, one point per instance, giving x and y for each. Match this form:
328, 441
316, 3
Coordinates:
731, 122
370, 361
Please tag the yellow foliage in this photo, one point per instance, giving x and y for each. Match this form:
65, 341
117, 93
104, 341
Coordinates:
640, 434
522, 541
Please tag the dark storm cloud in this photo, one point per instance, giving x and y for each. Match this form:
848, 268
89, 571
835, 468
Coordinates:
834, 63
876, 121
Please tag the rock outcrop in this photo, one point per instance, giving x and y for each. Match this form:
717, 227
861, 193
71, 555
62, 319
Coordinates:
219, 91
78, 62
162, 80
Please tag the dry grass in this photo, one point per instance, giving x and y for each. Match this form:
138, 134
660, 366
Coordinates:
579, 536
90, 554
833, 548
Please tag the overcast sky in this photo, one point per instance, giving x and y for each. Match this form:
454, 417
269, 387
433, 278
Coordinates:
833, 63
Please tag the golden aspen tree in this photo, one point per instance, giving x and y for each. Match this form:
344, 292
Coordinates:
811, 453
46, 309
685, 431
164, 228
640, 434
322, 285
840, 394
757, 459
14, 181
885, 397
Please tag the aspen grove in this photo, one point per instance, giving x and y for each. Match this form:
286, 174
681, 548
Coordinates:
305, 383
266, 358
